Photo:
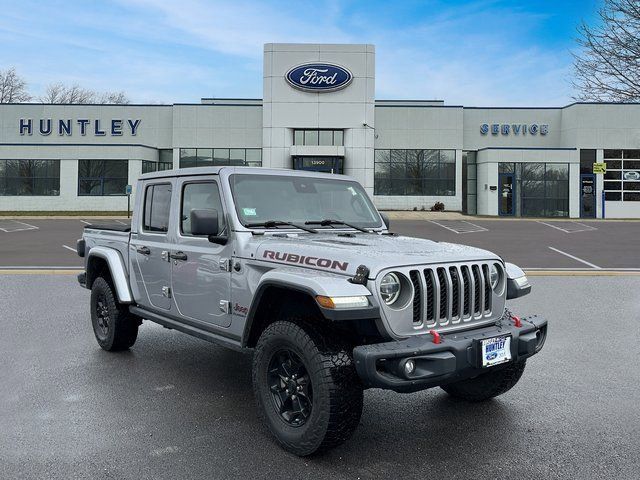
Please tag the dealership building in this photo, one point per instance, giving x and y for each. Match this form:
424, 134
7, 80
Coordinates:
319, 112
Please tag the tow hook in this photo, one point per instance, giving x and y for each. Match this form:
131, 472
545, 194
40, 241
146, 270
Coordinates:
436, 337
516, 321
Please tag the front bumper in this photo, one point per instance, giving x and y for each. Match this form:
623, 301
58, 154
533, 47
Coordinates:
456, 358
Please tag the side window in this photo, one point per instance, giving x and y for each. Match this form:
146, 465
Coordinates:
200, 196
157, 204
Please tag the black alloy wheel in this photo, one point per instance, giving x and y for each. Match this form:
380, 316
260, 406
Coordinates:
290, 386
102, 317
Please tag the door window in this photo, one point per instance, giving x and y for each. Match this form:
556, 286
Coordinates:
200, 196
157, 204
506, 194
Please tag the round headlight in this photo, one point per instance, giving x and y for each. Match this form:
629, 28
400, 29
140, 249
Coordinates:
390, 288
494, 276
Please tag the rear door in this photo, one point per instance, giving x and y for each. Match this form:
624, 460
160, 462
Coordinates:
150, 247
201, 276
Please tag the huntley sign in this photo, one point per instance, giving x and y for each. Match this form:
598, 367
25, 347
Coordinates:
66, 127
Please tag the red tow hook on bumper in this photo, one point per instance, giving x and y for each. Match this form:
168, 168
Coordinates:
516, 321
436, 337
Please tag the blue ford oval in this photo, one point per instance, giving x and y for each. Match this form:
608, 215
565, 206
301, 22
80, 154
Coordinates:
319, 77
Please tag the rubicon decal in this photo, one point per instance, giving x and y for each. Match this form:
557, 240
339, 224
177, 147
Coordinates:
304, 260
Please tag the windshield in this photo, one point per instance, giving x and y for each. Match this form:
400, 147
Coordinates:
260, 198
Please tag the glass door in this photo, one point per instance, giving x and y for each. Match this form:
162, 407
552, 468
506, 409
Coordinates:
506, 194
587, 196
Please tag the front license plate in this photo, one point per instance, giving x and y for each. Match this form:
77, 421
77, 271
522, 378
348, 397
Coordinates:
495, 350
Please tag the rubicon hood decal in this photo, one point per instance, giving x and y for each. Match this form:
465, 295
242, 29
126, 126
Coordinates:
306, 260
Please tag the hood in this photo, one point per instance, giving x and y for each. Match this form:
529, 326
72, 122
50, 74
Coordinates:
344, 253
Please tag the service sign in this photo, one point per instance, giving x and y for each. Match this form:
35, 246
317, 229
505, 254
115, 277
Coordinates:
319, 77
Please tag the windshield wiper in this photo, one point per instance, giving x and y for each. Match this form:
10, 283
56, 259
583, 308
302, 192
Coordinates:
279, 223
327, 222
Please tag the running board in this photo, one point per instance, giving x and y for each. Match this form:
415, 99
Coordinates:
186, 328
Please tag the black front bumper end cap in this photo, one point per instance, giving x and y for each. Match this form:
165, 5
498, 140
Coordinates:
82, 279
381, 365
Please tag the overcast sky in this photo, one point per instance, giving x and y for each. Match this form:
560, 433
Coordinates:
474, 53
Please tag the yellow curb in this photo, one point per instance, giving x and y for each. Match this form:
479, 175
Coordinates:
40, 271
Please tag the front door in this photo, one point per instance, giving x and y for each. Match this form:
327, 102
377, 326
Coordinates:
587, 195
201, 270
149, 247
506, 194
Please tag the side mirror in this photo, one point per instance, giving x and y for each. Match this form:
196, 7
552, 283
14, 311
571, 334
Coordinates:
517, 282
204, 222
385, 219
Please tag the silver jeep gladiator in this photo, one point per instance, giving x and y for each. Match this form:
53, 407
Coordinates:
302, 270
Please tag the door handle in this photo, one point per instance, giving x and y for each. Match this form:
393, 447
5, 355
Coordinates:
178, 256
143, 250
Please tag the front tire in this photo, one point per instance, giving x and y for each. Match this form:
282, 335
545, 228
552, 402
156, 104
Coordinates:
488, 385
114, 327
306, 387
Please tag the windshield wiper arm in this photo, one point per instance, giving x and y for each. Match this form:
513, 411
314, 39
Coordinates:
327, 222
279, 223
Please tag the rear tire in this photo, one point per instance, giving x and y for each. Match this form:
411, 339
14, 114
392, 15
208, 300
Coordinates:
488, 385
114, 327
326, 404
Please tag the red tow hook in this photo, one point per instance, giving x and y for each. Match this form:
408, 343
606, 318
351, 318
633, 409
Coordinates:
436, 337
516, 321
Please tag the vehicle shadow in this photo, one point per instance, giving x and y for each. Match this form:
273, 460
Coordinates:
205, 388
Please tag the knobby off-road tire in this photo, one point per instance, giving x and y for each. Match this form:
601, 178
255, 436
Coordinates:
329, 394
114, 327
487, 385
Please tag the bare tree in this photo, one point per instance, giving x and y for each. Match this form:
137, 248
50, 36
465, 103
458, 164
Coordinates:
75, 94
608, 66
13, 89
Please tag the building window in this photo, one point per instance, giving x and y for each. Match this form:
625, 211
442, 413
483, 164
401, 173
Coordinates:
587, 159
542, 189
102, 177
469, 183
415, 172
148, 167
29, 177
622, 180
318, 137
208, 157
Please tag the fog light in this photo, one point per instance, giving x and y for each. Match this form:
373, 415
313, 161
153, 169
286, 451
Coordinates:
409, 367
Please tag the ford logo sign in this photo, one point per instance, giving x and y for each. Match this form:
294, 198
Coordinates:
632, 175
319, 77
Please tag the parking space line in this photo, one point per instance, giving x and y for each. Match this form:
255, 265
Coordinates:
476, 228
587, 228
121, 222
577, 259
69, 248
11, 230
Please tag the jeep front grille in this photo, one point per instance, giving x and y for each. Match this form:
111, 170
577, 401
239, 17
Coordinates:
448, 296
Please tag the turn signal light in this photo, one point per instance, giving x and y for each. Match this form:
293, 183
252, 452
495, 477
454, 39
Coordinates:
337, 303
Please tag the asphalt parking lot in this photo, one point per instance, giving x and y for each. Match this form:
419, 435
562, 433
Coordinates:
532, 244
178, 407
